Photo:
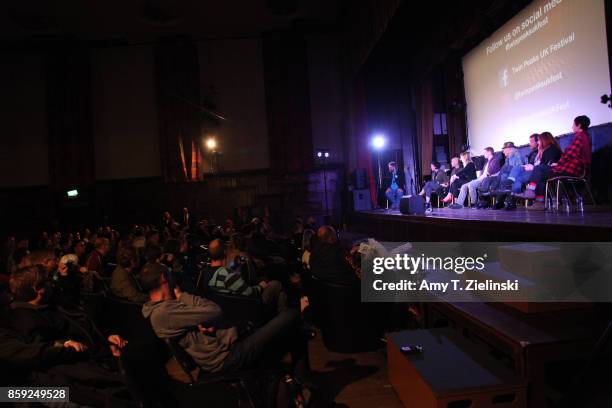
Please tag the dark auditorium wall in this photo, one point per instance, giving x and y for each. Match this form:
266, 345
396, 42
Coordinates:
326, 97
231, 82
23, 144
126, 140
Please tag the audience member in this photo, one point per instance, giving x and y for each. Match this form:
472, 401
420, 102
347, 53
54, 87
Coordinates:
226, 280
124, 283
198, 326
328, 259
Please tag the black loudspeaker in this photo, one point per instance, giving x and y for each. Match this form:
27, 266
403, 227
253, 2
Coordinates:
360, 179
412, 205
362, 200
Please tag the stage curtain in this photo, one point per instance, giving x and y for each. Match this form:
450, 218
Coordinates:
364, 24
359, 118
455, 105
287, 102
69, 116
177, 80
424, 123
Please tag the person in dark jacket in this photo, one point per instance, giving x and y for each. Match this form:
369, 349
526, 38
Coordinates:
328, 261
397, 186
439, 178
490, 170
513, 159
32, 316
463, 176
519, 175
124, 283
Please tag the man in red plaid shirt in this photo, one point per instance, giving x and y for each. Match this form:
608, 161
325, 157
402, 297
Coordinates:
575, 161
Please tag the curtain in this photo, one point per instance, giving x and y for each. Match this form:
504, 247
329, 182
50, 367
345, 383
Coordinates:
177, 80
364, 25
69, 116
359, 118
455, 105
424, 124
287, 102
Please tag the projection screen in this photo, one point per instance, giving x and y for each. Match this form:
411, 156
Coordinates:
541, 69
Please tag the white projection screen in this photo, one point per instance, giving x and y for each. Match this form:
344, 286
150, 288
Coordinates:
544, 67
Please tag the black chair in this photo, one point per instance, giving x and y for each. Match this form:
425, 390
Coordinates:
125, 318
241, 311
228, 390
347, 324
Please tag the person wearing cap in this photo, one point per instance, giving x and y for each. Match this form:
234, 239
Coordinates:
512, 158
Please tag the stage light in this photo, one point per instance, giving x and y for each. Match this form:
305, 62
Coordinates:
378, 142
211, 143
322, 153
72, 193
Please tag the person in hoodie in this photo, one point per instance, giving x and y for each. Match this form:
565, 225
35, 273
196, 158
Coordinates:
198, 325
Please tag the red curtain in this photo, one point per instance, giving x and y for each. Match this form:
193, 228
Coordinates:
177, 80
424, 124
455, 105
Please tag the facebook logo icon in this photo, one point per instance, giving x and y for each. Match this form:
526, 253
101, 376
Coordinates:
503, 77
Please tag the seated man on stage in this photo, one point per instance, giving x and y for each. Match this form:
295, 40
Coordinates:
461, 177
519, 175
396, 188
574, 162
435, 185
491, 169
513, 159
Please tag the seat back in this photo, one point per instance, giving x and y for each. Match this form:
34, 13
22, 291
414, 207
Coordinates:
241, 311
347, 324
125, 318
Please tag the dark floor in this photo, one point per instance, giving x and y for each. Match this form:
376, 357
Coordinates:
353, 380
596, 216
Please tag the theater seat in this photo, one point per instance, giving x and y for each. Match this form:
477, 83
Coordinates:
241, 311
125, 318
347, 324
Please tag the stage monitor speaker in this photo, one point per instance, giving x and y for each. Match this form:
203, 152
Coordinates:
360, 179
362, 200
412, 205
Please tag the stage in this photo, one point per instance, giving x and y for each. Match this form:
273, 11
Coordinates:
444, 224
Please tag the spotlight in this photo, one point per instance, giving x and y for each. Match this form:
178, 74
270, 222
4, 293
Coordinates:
322, 153
211, 143
378, 142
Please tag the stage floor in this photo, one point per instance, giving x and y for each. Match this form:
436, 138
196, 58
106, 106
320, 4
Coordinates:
594, 224
597, 216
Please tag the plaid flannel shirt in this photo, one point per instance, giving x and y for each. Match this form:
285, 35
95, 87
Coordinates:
572, 160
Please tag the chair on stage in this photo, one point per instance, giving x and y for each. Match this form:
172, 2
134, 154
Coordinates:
552, 194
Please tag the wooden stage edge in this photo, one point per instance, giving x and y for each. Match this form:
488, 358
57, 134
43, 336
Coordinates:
444, 224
